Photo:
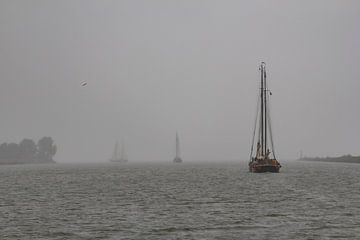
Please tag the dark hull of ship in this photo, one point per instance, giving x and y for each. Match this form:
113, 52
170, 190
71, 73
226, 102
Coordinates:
177, 160
262, 166
119, 160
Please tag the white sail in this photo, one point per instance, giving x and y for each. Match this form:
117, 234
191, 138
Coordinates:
177, 158
119, 155
123, 155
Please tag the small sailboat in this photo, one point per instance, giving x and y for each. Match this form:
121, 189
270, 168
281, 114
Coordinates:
264, 159
177, 158
119, 155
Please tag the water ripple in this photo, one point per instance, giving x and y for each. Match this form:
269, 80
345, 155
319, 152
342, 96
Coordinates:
187, 201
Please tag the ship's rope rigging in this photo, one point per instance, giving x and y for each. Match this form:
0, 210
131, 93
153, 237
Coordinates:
264, 160
255, 125
270, 128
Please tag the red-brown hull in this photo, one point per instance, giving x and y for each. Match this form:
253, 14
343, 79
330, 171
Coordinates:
264, 166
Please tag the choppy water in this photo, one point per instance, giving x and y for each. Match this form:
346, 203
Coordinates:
186, 201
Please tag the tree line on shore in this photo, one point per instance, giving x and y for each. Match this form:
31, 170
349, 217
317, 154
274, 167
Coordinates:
27, 151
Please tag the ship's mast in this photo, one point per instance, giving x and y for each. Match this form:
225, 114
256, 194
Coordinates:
265, 110
262, 126
262, 112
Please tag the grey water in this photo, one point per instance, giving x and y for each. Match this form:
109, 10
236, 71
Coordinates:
179, 201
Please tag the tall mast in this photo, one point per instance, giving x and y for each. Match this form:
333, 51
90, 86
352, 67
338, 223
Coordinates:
265, 110
262, 111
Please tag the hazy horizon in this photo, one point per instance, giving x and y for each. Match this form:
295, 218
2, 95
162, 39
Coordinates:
156, 67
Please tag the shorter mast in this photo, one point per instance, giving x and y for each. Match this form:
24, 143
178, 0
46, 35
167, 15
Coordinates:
262, 112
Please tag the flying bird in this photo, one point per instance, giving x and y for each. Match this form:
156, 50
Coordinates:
83, 84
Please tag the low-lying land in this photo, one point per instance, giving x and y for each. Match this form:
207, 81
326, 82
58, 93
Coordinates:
345, 158
27, 151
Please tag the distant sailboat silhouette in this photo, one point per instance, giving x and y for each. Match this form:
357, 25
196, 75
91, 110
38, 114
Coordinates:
177, 158
119, 156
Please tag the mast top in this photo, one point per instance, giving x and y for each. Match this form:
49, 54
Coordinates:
262, 65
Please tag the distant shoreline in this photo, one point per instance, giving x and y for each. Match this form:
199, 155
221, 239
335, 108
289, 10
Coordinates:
24, 161
345, 158
27, 151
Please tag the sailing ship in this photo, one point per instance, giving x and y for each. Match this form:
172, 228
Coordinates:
264, 159
177, 158
119, 155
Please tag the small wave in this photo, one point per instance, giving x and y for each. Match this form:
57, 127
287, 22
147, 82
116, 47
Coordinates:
68, 235
275, 215
191, 229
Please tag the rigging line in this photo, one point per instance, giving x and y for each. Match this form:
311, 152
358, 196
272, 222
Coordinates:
254, 132
270, 130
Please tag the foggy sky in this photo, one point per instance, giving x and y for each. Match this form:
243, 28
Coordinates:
157, 67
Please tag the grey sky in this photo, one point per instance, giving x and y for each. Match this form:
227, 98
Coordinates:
157, 67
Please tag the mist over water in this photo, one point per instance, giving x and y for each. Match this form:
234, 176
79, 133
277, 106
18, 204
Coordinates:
156, 67
86, 74
187, 201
